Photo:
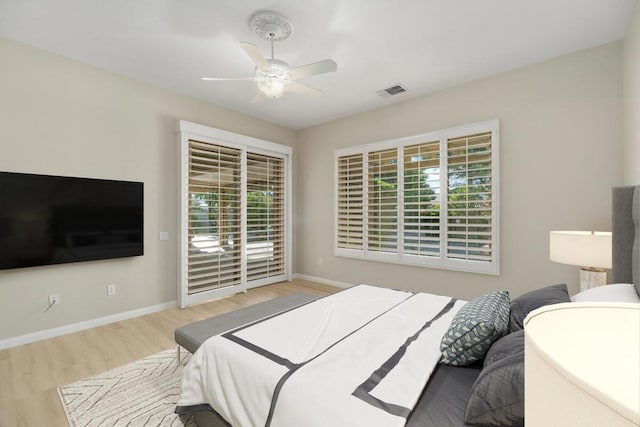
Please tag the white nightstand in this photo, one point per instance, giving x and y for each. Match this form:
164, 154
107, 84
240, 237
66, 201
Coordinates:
582, 365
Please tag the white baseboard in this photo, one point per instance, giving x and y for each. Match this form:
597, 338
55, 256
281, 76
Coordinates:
100, 321
322, 280
80, 326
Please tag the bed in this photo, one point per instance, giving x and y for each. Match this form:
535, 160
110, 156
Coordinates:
449, 389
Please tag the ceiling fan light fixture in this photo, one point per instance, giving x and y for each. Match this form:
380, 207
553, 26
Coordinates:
275, 82
273, 87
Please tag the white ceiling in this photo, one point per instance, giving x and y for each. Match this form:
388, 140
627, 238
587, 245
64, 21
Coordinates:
425, 45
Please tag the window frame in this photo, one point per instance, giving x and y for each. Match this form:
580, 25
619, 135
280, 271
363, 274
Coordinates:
399, 257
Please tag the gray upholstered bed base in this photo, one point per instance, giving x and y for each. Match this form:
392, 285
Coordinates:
626, 235
209, 419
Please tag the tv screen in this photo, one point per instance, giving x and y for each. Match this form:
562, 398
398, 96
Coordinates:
53, 220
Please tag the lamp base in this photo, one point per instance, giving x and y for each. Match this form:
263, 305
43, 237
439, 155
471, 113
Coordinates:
592, 277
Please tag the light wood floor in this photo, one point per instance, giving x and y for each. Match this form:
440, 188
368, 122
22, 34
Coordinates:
30, 374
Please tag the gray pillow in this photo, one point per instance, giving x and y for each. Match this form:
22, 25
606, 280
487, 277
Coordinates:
528, 302
474, 328
497, 395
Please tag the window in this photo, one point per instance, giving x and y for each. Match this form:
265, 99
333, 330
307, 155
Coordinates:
382, 201
349, 196
234, 213
469, 197
428, 200
421, 205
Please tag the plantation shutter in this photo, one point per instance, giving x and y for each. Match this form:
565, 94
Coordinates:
469, 197
214, 217
265, 216
382, 206
349, 202
429, 200
421, 234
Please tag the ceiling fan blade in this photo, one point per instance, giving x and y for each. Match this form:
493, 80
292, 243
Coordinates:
226, 78
259, 97
301, 89
256, 56
320, 67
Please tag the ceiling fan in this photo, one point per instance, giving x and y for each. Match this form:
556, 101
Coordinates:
274, 77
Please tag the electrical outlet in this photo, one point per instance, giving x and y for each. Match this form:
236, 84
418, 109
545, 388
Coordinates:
54, 299
320, 262
111, 289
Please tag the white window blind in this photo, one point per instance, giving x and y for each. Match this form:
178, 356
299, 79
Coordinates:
428, 200
469, 203
349, 195
213, 259
421, 199
382, 210
265, 216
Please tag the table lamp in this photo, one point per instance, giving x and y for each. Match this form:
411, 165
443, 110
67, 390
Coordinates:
591, 250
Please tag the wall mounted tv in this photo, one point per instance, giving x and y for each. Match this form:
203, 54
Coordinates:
53, 219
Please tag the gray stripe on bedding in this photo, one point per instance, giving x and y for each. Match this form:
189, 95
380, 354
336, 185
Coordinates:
286, 376
363, 391
261, 351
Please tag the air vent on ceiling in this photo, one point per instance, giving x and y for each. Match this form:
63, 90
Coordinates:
391, 91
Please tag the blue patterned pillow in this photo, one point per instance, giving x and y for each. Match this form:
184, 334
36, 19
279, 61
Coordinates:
474, 328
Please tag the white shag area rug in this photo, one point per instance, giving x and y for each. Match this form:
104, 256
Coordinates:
142, 393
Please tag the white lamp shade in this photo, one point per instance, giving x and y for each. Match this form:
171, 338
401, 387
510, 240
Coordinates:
583, 248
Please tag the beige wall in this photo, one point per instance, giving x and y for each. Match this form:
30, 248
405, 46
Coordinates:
61, 117
561, 151
632, 101
560, 142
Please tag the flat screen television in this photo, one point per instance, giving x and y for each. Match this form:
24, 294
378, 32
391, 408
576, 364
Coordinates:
54, 219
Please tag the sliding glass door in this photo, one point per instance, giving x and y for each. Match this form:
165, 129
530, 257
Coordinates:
234, 210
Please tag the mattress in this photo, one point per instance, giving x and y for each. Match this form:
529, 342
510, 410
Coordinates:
259, 374
393, 336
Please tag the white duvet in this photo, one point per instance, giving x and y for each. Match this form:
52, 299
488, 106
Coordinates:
360, 357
